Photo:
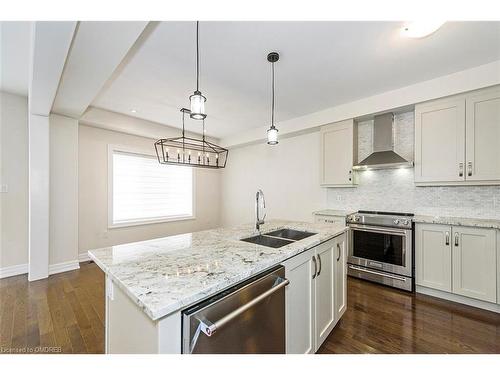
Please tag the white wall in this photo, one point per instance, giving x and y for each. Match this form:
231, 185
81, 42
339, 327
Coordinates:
63, 237
287, 173
93, 193
14, 174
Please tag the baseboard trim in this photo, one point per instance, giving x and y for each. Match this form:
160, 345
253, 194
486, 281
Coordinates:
63, 267
19, 269
84, 257
459, 299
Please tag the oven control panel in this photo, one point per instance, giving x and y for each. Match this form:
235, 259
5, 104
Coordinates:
386, 220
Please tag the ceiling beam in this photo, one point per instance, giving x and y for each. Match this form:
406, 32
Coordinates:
49, 48
97, 50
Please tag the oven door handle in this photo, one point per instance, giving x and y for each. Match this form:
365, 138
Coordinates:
400, 278
367, 228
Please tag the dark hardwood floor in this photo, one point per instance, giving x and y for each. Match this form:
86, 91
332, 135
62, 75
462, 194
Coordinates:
385, 320
65, 313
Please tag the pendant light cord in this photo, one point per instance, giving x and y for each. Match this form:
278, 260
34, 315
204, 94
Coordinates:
197, 56
272, 102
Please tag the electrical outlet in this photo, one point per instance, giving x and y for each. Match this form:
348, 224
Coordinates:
4, 188
339, 198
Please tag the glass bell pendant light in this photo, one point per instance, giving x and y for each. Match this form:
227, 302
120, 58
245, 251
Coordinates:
197, 99
272, 132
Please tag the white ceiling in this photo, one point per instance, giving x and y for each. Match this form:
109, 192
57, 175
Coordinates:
14, 55
322, 64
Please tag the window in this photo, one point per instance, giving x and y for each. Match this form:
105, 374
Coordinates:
143, 191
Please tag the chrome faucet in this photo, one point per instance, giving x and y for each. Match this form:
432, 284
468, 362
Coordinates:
258, 198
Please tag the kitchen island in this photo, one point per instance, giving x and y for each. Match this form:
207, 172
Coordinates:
149, 283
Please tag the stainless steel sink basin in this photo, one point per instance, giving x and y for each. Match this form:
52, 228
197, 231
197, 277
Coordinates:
290, 234
278, 238
268, 241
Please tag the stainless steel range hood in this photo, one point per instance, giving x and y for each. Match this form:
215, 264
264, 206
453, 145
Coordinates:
383, 155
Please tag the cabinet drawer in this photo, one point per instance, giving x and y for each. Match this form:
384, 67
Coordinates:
325, 219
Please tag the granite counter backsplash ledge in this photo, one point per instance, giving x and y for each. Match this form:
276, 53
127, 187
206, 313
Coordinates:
463, 221
168, 274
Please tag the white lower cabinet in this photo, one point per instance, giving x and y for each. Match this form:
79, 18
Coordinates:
456, 259
313, 303
474, 263
433, 256
300, 302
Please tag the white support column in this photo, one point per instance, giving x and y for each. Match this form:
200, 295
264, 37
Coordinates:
38, 130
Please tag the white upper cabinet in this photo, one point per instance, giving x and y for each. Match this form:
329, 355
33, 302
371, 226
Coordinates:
439, 141
338, 153
457, 139
483, 136
474, 263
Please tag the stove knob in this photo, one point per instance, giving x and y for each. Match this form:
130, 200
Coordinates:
396, 221
406, 222
356, 218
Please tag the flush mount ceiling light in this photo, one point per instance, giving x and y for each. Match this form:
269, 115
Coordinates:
272, 132
197, 99
190, 151
420, 29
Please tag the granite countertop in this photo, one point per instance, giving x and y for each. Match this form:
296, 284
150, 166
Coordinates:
333, 212
167, 274
451, 220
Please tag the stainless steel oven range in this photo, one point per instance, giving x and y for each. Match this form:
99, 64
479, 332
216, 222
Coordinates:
381, 248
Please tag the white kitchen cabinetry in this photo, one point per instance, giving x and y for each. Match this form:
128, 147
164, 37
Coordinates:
338, 153
340, 278
457, 138
312, 305
474, 263
433, 256
483, 136
456, 259
300, 301
439, 141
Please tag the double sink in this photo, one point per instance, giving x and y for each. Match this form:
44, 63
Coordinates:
278, 238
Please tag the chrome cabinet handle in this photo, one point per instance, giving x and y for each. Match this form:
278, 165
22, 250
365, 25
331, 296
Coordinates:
469, 169
456, 239
315, 267
209, 328
460, 169
319, 260
338, 250
447, 240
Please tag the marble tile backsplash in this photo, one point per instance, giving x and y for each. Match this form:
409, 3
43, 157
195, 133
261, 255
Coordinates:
394, 189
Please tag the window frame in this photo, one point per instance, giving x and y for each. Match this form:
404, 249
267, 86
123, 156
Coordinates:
137, 222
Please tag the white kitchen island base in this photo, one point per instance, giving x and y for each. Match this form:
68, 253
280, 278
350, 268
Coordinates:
150, 283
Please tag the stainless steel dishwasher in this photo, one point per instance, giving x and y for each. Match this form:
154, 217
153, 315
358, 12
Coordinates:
247, 318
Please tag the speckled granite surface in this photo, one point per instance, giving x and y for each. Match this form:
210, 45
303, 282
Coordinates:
167, 274
450, 220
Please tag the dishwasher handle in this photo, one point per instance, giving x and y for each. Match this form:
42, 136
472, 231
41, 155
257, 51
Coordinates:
209, 328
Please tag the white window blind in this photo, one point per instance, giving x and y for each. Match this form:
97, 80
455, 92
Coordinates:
143, 190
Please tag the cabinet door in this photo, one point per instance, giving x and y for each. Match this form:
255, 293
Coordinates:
340, 277
474, 263
299, 299
324, 291
433, 256
337, 153
483, 136
440, 141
